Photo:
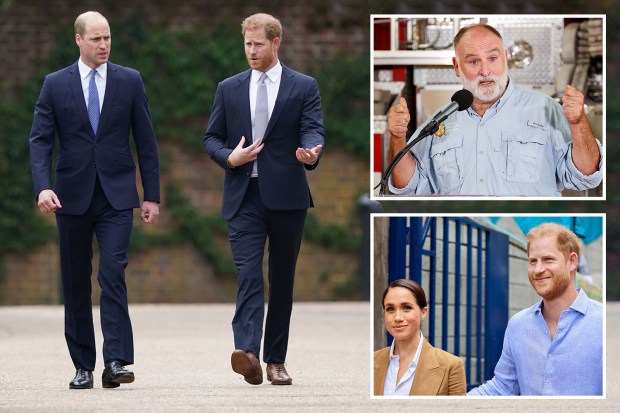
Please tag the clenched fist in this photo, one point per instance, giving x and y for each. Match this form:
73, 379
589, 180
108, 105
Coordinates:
398, 120
572, 103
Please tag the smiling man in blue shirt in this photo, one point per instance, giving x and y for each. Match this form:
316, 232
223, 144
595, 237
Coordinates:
554, 348
511, 142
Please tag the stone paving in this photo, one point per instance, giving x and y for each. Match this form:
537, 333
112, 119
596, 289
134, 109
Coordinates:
183, 364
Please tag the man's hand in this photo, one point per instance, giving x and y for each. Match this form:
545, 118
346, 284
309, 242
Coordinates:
149, 212
240, 155
572, 103
398, 120
48, 201
585, 152
308, 156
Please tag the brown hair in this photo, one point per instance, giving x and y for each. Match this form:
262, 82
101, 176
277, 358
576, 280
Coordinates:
566, 240
272, 26
465, 29
414, 287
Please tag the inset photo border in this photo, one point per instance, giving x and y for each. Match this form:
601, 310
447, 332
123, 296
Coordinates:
491, 298
516, 139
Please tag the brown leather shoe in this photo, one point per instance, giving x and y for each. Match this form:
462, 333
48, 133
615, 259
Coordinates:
247, 365
276, 374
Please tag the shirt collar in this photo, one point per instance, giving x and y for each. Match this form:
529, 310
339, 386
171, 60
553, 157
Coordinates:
273, 74
414, 361
580, 304
85, 70
504, 97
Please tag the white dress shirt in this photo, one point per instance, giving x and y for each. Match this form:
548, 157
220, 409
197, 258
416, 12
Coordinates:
402, 388
273, 86
100, 80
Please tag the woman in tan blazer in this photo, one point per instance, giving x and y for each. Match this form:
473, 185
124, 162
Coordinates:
412, 366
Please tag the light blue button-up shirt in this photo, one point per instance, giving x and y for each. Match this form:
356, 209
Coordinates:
533, 364
520, 147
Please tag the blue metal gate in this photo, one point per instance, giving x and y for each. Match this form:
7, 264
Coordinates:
472, 280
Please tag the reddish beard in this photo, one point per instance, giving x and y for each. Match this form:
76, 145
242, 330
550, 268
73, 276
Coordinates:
554, 288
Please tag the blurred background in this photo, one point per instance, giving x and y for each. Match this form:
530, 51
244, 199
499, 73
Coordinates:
183, 49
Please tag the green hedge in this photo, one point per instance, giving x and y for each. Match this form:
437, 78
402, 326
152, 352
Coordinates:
21, 226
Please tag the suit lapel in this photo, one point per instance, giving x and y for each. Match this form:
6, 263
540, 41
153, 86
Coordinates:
286, 87
108, 98
75, 85
243, 105
381, 363
429, 374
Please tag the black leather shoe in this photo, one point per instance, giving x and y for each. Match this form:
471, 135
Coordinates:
83, 379
114, 374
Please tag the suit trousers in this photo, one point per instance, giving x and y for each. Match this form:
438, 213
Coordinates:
248, 231
112, 229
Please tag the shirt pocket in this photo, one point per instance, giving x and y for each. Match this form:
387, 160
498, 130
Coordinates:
524, 153
447, 161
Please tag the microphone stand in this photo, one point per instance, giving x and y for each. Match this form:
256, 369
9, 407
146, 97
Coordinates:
428, 130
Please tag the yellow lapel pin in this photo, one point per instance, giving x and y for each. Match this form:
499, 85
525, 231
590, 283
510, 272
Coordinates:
441, 130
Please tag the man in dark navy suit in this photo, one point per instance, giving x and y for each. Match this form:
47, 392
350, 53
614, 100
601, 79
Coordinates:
92, 105
265, 130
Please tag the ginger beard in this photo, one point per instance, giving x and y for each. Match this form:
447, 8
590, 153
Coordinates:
488, 93
557, 284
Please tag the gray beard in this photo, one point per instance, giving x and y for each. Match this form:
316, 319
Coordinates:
486, 94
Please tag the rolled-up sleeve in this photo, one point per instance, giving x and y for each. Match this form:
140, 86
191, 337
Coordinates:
573, 178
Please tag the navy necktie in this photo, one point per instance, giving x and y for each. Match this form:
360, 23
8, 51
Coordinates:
93, 102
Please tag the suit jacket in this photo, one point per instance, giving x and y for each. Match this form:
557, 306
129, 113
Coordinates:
84, 155
296, 122
438, 373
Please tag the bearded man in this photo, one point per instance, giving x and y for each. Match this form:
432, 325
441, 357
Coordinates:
510, 142
554, 348
265, 130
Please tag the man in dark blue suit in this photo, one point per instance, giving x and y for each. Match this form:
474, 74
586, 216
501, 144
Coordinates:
92, 105
265, 130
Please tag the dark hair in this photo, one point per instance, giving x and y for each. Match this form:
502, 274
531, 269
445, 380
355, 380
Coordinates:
414, 287
465, 29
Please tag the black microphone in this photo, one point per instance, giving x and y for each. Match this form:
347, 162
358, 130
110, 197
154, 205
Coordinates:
461, 100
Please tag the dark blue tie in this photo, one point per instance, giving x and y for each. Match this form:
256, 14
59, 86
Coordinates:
93, 102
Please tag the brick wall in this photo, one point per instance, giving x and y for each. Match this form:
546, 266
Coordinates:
179, 273
313, 31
